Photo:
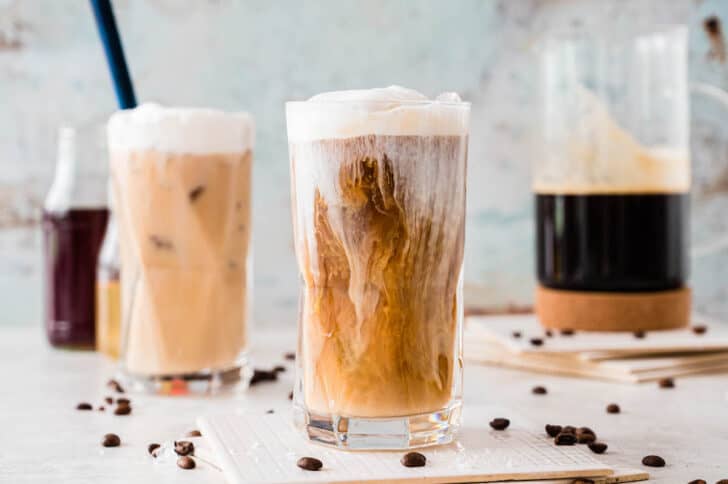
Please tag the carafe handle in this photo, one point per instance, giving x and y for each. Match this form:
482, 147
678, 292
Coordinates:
721, 97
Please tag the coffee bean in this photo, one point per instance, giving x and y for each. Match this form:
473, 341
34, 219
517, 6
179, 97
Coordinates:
500, 423
639, 334
123, 401
702, 481
653, 461
279, 369
193, 433
102, 408
549, 333
598, 447
536, 341
700, 329
122, 410
413, 459
151, 448
722, 481
309, 464
84, 406
539, 390
186, 462
666, 383
111, 440
260, 376
585, 430
184, 447
196, 192
565, 439
568, 429
516, 334
553, 430
290, 396
613, 408
586, 438
109, 400
290, 355
115, 385
567, 332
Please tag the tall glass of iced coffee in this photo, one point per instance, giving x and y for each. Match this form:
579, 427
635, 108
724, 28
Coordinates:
378, 194
182, 184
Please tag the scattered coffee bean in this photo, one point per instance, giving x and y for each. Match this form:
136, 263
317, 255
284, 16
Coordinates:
549, 333
586, 438
84, 406
260, 376
500, 423
567, 332
666, 383
186, 462
700, 329
702, 481
536, 341
184, 447
613, 408
123, 401
309, 464
279, 369
565, 438
722, 481
109, 400
413, 459
653, 461
193, 433
598, 447
585, 430
270, 411
539, 390
553, 430
639, 334
568, 429
290, 395
196, 192
102, 408
115, 385
111, 440
290, 356
151, 448
516, 334
122, 410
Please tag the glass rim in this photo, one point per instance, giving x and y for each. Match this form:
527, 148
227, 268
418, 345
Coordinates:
629, 33
393, 103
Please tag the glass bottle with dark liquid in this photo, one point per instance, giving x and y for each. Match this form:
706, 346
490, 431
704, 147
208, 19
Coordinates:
74, 221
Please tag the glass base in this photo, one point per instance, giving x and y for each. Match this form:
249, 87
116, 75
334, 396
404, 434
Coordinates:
203, 382
391, 433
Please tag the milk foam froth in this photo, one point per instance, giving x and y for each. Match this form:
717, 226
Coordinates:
180, 130
389, 111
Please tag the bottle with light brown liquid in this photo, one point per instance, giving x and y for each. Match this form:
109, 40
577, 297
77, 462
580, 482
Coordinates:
108, 292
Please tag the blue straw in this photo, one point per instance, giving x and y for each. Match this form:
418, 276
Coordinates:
114, 53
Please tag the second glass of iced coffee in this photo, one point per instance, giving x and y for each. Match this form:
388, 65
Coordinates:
182, 186
378, 193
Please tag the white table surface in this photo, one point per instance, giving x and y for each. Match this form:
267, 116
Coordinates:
44, 439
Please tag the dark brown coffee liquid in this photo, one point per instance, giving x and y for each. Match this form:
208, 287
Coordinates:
71, 243
612, 242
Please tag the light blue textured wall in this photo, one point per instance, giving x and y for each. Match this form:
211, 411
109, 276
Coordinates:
256, 54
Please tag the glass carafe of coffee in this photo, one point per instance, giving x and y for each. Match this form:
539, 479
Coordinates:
612, 181
74, 220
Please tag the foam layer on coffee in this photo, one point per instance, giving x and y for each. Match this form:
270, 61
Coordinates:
392, 111
180, 130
